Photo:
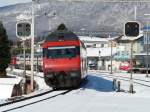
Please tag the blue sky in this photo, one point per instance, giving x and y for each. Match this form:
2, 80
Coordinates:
10, 2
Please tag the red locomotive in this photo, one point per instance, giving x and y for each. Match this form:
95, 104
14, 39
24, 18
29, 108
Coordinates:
64, 59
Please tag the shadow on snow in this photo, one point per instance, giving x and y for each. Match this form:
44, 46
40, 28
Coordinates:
97, 83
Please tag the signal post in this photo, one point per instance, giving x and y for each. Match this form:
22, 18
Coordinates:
23, 32
131, 30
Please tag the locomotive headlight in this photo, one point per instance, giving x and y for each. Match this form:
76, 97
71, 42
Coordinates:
50, 75
74, 74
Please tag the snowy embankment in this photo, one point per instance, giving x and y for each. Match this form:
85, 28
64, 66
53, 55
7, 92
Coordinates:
38, 77
7, 84
97, 95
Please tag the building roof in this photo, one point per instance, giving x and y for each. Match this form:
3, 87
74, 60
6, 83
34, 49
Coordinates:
88, 39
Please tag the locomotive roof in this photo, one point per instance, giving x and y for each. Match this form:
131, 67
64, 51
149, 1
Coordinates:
62, 35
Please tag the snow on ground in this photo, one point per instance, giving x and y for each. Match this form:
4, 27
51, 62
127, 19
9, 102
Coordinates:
7, 85
140, 82
97, 95
39, 78
40, 81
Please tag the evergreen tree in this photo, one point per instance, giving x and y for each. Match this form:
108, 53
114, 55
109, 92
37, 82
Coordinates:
5, 55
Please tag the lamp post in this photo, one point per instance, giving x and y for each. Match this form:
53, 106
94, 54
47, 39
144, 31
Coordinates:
147, 43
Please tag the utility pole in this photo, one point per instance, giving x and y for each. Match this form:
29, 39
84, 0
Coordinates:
32, 48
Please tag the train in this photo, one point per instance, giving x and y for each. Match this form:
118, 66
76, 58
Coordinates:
64, 59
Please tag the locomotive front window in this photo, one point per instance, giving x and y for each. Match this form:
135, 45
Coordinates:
61, 52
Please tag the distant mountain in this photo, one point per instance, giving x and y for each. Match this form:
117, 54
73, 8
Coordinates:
77, 15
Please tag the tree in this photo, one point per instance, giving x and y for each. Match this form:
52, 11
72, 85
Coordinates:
5, 55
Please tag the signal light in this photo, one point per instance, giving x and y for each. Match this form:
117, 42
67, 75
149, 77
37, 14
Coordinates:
132, 29
23, 29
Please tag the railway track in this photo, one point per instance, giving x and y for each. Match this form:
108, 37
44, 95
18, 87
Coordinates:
14, 103
22, 98
39, 96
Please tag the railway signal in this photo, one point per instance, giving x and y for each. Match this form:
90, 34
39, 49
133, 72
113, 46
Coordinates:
132, 29
23, 29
